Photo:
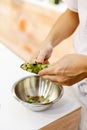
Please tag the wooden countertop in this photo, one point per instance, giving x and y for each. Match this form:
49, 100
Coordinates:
24, 27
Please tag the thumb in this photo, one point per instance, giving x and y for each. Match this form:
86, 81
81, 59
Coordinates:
41, 57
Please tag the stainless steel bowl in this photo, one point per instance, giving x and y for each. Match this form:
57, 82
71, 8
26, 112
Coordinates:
35, 86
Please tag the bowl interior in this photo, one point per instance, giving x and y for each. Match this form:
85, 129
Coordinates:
34, 89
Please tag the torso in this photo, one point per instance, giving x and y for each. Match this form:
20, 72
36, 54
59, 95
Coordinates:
80, 41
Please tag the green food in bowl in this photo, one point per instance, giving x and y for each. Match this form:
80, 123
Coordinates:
34, 68
38, 99
29, 89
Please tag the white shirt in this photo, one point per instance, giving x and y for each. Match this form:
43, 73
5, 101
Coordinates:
80, 46
80, 41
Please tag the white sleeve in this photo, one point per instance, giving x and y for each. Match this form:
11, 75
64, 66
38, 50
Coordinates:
72, 5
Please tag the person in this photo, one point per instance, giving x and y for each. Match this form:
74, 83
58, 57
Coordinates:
69, 70
72, 68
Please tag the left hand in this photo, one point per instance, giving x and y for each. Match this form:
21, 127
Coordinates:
67, 71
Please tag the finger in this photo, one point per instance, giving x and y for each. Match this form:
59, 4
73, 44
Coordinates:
41, 57
47, 71
51, 78
33, 57
46, 61
58, 79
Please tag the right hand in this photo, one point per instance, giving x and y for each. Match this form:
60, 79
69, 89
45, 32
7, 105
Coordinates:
43, 54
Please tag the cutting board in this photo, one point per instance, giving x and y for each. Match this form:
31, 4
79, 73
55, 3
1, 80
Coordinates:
24, 26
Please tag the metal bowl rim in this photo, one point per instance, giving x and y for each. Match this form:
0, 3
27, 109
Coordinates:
36, 104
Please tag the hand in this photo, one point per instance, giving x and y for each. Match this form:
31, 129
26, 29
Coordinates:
67, 71
43, 53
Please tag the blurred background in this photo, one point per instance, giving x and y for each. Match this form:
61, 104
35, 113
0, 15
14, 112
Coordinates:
24, 24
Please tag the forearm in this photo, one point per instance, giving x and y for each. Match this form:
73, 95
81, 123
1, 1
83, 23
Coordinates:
63, 28
83, 62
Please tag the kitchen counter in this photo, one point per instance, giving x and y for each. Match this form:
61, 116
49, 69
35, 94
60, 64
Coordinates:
22, 39
14, 116
15, 48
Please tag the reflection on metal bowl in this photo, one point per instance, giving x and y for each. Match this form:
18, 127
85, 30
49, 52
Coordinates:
36, 93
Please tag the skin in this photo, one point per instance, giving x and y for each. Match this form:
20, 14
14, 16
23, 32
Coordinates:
67, 71
59, 32
71, 68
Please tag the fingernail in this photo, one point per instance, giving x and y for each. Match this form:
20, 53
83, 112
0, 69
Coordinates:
39, 61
